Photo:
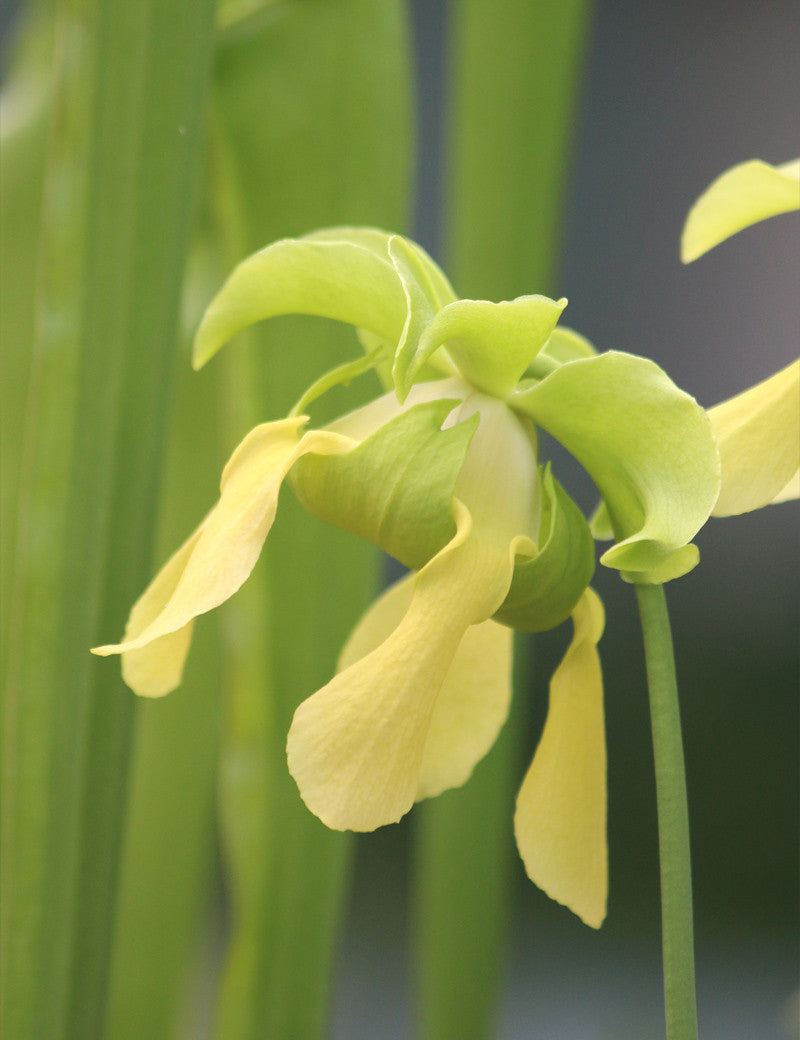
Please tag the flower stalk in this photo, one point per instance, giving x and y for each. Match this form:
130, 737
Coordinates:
677, 939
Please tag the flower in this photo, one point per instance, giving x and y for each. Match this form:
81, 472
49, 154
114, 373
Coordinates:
442, 472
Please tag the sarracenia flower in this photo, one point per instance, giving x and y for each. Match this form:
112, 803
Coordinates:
442, 472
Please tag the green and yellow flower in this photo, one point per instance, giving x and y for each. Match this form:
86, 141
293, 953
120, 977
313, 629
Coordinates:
441, 471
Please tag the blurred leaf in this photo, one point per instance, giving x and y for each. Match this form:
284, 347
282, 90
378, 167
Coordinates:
128, 88
515, 72
169, 858
311, 128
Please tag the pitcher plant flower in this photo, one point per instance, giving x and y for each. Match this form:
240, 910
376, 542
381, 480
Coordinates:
441, 471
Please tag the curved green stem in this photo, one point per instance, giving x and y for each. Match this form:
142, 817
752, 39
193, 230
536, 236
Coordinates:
673, 817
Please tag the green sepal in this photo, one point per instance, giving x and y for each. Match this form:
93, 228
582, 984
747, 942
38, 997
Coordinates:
395, 489
427, 291
646, 444
492, 344
337, 274
546, 587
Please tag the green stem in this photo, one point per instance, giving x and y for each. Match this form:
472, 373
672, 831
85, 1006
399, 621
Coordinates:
673, 817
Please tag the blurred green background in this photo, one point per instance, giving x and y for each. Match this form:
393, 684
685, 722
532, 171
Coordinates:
670, 95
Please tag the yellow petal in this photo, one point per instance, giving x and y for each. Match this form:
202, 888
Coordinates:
743, 195
157, 669
473, 702
790, 491
758, 437
356, 748
560, 819
219, 557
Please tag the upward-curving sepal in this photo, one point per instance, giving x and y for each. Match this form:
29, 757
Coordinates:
746, 194
344, 274
647, 445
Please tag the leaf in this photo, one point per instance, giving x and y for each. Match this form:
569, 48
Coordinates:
311, 129
116, 218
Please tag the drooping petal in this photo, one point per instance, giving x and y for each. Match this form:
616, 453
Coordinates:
219, 557
473, 702
758, 437
329, 277
356, 747
743, 195
157, 669
647, 445
560, 818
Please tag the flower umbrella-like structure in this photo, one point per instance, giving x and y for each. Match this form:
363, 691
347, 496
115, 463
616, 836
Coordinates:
442, 472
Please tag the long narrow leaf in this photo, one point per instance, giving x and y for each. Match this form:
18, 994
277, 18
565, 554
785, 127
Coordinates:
124, 148
514, 76
311, 129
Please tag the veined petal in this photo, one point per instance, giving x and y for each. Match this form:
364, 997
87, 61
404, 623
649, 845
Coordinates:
356, 748
758, 438
395, 488
560, 819
743, 195
647, 445
347, 280
473, 702
219, 557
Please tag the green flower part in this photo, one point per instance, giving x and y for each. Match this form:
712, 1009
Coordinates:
442, 472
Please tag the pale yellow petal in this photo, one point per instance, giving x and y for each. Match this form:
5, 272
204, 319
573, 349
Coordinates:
790, 492
743, 195
356, 747
474, 699
560, 819
219, 557
470, 709
157, 669
758, 437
